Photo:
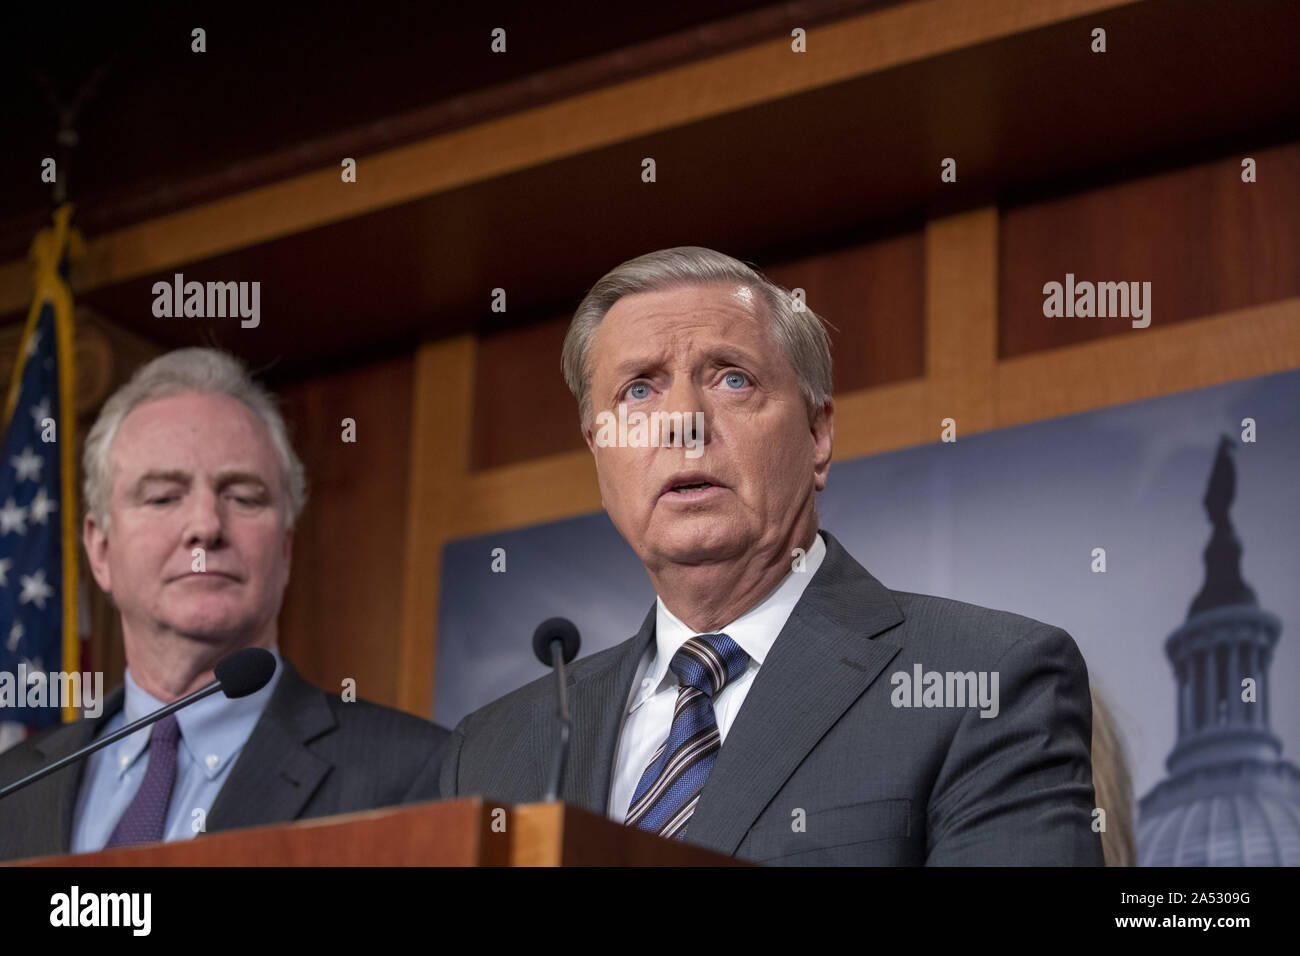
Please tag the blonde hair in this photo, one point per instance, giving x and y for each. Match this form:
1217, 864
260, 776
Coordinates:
1113, 786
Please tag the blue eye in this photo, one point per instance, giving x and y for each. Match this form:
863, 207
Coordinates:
736, 380
632, 390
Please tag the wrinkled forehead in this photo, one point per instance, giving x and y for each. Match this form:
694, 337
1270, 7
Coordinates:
193, 433
681, 318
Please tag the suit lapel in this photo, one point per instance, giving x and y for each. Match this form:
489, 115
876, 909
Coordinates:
61, 788
597, 700
276, 774
822, 661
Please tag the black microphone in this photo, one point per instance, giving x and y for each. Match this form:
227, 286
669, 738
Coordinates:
242, 673
556, 642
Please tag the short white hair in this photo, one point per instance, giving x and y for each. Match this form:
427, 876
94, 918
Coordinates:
800, 332
204, 371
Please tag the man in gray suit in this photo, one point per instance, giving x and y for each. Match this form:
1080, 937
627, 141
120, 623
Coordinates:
778, 703
192, 489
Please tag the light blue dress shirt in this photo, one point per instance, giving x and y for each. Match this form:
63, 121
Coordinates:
213, 732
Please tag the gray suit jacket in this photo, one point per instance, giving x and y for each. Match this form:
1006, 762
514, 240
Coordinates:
310, 754
819, 767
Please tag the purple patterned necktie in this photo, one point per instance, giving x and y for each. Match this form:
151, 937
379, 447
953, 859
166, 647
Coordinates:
670, 787
145, 818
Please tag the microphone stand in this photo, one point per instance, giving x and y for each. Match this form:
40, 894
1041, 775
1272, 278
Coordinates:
126, 731
556, 778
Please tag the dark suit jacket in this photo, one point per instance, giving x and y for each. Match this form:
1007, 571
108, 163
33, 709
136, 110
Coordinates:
818, 766
310, 754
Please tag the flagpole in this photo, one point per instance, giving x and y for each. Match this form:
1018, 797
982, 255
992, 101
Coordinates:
50, 248
64, 332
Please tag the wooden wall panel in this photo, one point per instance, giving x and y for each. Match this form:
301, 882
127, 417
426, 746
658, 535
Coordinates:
874, 296
854, 48
961, 319
522, 408
342, 610
438, 460
1206, 241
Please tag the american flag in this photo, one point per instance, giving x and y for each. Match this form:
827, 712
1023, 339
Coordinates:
37, 506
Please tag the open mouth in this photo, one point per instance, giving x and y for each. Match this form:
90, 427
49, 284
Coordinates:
689, 487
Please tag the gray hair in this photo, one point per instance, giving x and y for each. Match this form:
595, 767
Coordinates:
205, 371
800, 332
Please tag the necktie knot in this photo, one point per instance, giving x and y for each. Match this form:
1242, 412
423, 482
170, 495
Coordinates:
708, 662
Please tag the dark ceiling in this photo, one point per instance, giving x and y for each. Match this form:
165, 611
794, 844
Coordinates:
276, 78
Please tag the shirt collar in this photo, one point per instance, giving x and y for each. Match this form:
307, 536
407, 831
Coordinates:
755, 631
213, 730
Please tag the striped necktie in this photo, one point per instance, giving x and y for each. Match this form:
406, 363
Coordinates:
669, 789
144, 819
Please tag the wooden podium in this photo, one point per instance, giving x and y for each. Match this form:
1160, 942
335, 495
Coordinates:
468, 832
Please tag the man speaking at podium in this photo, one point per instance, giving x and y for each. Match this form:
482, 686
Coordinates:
192, 489
765, 707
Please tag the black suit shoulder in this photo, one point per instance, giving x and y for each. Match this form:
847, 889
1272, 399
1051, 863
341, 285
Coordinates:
950, 627
25, 756
389, 726
521, 700
378, 755
395, 739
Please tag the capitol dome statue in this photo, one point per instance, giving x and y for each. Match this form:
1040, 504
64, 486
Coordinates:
1230, 799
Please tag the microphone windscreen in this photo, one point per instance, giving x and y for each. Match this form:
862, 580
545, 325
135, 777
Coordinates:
556, 628
245, 672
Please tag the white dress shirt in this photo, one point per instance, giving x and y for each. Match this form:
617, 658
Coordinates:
649, 713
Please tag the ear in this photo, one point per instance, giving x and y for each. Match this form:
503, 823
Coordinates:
589, 436
95, 540
823, 434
